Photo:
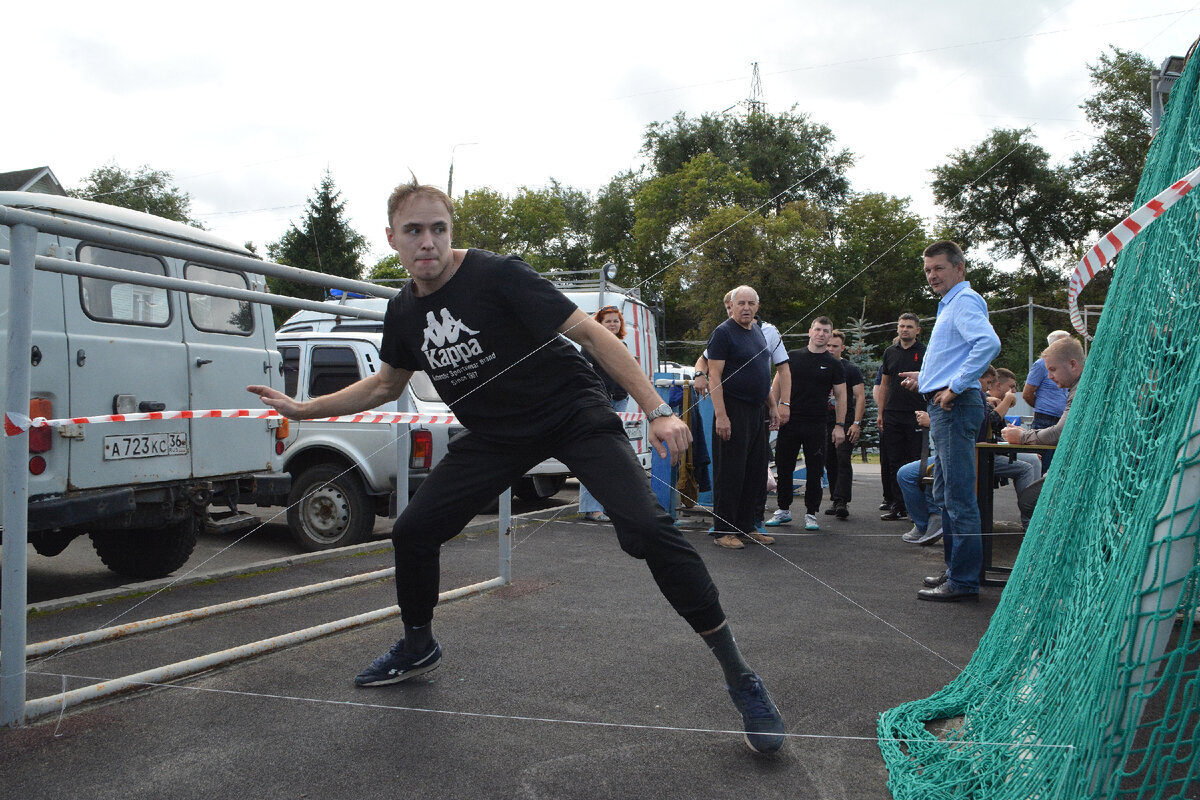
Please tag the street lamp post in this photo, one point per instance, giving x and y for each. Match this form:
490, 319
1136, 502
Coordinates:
450, 179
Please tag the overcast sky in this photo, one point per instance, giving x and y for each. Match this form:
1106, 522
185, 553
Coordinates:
248, 103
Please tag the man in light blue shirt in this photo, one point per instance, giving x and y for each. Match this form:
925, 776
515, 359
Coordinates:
960, 348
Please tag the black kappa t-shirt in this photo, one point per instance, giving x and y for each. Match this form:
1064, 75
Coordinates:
813, 376
488, 339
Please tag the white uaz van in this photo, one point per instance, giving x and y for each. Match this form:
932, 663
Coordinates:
140, 490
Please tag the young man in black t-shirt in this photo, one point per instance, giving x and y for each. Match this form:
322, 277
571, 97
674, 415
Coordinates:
838, 461
815, 373
486, 329
899, 436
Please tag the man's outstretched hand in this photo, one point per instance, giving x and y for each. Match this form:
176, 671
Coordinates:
278, 401
672, 432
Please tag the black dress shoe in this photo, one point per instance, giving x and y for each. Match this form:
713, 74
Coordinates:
946, 594
933, 581
841, 511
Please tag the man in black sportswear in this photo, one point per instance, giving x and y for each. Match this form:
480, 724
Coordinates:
486, 330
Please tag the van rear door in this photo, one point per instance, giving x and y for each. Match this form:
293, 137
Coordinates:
227, 348
125, 353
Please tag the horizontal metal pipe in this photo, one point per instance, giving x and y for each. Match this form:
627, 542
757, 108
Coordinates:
64, 266
49, 646
207, 255
58, 702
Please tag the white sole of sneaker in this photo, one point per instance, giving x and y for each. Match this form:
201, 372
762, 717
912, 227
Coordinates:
746, 739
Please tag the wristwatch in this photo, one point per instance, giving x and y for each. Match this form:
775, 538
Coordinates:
662, 411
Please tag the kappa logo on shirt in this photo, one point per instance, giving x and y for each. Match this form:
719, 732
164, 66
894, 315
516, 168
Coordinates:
441, 344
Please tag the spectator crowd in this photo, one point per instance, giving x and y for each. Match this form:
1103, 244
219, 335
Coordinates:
937, 398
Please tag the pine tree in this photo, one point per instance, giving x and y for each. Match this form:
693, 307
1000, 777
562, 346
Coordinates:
863, 356
323, 242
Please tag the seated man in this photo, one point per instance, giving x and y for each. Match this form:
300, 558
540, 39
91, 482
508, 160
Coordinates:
1064, 364
1022, 469
918, 497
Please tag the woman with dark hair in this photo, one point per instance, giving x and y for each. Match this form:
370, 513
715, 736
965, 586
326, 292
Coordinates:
610, 317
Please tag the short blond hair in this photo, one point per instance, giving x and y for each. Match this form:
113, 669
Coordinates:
1064, 350
406, 191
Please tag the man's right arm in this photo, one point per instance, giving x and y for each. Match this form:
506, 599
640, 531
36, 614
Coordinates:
386, 385
1029, 394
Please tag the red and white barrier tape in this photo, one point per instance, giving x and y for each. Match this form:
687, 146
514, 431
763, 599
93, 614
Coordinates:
15, 423
1125, 231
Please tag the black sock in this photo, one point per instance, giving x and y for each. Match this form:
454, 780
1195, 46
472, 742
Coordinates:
723, 646
417, 638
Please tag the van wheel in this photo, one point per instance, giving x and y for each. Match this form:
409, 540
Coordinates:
148, 552
328, 509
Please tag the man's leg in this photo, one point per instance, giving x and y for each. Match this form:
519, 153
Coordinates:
892, 443
729, 473
787, 450
953, 433
831, 462
760, 501
472, 473
1027, 500
601, 456
814, 465
754, 493
908, 478
885, 476
1021, 471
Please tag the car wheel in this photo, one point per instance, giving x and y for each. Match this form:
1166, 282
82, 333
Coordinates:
148, 553
328, 507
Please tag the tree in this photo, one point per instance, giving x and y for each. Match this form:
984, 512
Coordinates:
323, 242
548, 227
149, 190
790, 154
1120, 110
859, 351
877, 256
1004, 191
389, 270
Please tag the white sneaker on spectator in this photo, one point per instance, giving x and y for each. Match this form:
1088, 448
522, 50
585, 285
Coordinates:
914, 535
810, 523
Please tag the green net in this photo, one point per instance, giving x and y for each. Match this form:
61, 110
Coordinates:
1087, 682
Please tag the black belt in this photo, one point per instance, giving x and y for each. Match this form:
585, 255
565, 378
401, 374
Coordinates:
928, 396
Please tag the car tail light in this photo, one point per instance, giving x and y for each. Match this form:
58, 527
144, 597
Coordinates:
278, 448
37, 465
284, 428
40, 438
422, 450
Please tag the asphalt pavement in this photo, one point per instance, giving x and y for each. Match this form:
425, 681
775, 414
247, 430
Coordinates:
575, 681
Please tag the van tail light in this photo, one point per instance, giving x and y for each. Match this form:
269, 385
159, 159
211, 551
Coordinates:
284, 428
40, 438
422, 450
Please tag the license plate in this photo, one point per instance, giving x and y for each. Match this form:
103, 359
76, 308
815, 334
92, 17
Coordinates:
147, 445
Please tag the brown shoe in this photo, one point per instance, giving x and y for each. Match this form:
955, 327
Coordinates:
761, 538
729, 541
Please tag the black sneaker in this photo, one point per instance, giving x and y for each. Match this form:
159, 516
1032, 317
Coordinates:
841, 511
829, 512
885, 506
891, 514
396, 665
764, 726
